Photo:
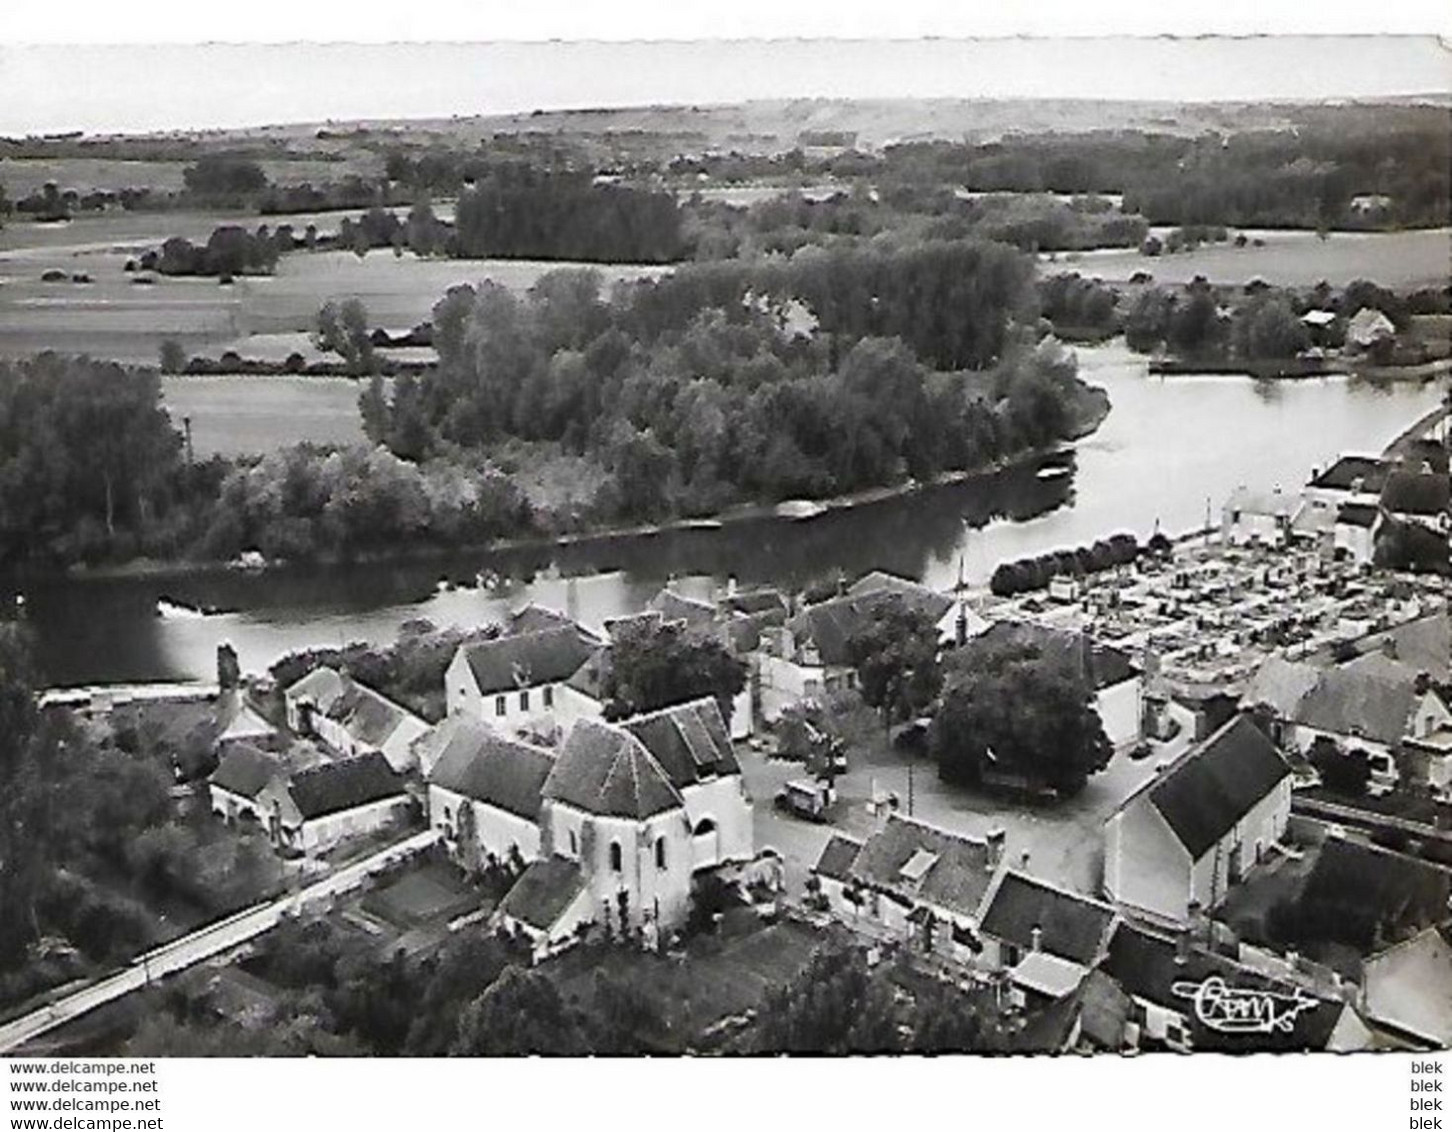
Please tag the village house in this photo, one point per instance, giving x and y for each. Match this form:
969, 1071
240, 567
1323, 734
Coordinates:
1420, 498
314, 694
361, 721
485, 794
1045, 939
1351, 479
1117, 681
1256, 518
1353, 535
1368, 331
308, 811
809, 657
1198, 826
1386, 708
913, 881
1161, 973
1406, 993
521, 683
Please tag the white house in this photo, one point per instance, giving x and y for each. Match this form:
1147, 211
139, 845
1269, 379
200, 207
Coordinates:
1025, 916
1199, 826
308, 811
1354, 533
314, 694
521, 683
1382, 706
236, 786
914, 881
1351, 479
486, 793
1255, 518
360, 721
1368, 328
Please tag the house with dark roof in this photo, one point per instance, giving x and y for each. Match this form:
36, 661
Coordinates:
319, 807
1117, 680
523, 682
1187, 995
916, 881
808, 657
1042, 936
485, 793
550, 904
360, 721
1353, 533
312, 695
236, 787
1198, 826
1388, 709
1422, 498
1351, 479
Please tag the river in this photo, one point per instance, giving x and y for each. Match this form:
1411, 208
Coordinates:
1168, 448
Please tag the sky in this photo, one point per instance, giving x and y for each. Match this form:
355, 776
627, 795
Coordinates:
135, 88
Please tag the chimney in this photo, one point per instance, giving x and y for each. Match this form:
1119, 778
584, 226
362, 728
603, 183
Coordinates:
996, 839
730, 585
1036, 938
1023, 860
1182, 946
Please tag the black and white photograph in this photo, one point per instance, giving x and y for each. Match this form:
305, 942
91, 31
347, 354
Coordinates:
726, 547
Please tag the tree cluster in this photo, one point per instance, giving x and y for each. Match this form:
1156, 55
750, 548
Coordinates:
653, 666
1024, 575
1015, 714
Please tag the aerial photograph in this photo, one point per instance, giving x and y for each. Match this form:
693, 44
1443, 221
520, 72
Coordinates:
726, 548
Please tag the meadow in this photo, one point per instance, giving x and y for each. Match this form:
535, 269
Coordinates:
236, 414
1410, 259
112, 316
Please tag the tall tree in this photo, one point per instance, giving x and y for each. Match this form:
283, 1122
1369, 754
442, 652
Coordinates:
655, 666
1021, 712
836, 1005
520, 1014
895, 655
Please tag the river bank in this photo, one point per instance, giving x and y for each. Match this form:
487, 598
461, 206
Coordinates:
1093, 411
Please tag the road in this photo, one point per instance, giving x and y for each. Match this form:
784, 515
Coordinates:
214, 939
1062, 843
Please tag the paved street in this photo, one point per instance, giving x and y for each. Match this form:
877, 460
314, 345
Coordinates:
1064, 842
203, 944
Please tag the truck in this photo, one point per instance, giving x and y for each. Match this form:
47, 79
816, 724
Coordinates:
806, 798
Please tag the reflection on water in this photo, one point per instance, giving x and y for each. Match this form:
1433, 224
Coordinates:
1169, 447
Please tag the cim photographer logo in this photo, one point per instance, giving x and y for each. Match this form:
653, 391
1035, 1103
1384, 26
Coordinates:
1242, 1010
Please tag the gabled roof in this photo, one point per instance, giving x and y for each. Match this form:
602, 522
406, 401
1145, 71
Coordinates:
1425, 644
604, 769
245, 770
369, 716
589, 679
543, 892
1105, 665
837, 857
936, 605
322, 686
1070, 925
678, 607
1281, 684
756, 602
1344, 474
1383, 886
534, 618
1357, 515
1150, 966
481, 764
344, 785
529, 659
1409, 986
1367, 325
1202, 794
956, 881
237, 719
690, 741
830, 625
1371, 697
1417, 493
1277, 503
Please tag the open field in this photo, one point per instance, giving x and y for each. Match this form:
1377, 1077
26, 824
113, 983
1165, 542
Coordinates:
114, 317
22, 176
1295, 259
235, 414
